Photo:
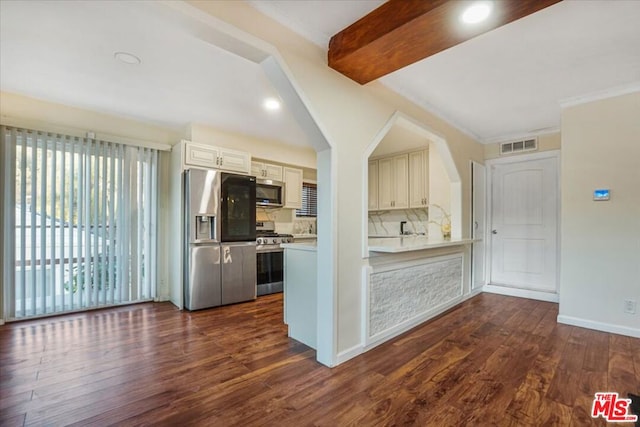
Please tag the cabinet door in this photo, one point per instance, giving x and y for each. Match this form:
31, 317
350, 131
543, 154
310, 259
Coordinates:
418, 179
292, 188
273, 172
235, 161
200, 155
373, 185
385, 183
257, 169
401, 181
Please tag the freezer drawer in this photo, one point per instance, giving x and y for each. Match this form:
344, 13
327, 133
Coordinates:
238, 272
203, 288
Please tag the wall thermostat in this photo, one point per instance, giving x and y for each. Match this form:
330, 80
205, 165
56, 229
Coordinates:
601, 194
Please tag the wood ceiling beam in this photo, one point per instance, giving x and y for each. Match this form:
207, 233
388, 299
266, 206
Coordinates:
401, 32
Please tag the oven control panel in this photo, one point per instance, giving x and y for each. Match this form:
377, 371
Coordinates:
274, 240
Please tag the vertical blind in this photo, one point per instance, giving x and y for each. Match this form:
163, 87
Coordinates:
82, 214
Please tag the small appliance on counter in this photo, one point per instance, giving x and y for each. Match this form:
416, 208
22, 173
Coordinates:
220, 245
270, 258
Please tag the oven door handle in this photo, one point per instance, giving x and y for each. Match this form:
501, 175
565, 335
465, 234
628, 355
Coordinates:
269, 250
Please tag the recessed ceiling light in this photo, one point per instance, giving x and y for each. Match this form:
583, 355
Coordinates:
477, 12
127, 58
271, 104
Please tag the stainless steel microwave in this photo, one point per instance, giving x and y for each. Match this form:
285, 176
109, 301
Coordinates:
269, 193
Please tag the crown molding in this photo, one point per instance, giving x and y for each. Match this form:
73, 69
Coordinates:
603, 94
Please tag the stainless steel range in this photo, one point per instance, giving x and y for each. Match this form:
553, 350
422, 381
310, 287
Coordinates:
270, 258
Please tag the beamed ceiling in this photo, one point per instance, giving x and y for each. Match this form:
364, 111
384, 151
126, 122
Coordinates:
401, 32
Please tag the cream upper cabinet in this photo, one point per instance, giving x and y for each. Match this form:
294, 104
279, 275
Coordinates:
257, 170
293, 188
207, 156
385, 183
234, 161
267, 171
373, 185
419, 179
401, 181
393, 182
200, 155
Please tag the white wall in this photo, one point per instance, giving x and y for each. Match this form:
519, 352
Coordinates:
600, 243
31, 113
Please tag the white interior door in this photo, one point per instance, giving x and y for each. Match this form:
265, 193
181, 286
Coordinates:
524, 224
478, 225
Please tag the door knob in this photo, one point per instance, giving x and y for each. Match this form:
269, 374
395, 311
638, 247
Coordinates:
476, 224
494, 231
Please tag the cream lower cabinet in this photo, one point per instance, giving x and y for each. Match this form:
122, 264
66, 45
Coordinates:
393, 182
373, 185
419, 179
292, 188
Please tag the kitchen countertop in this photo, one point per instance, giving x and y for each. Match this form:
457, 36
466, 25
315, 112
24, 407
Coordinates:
305, 236
411, 243
302, 246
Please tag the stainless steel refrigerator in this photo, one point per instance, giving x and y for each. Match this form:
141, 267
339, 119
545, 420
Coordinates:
220, 238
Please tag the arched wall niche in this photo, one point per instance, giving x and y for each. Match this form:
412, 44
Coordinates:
402, 134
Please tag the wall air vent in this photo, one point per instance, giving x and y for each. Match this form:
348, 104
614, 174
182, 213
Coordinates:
518, 146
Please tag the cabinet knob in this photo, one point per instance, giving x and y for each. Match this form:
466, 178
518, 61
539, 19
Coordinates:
494, 231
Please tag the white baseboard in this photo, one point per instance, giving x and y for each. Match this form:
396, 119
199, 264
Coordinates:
599, 326
475, 292
349, 353
521, 293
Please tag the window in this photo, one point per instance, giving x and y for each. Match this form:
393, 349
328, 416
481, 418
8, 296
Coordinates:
81, 217
309, 200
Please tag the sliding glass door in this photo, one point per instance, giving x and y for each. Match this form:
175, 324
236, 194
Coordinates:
80, 215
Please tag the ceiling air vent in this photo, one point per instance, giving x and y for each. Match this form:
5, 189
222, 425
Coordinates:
518, 146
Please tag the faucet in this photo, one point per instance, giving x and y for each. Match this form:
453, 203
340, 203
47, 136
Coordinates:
402, 224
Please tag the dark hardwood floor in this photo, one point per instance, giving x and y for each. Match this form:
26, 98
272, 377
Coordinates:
493, 360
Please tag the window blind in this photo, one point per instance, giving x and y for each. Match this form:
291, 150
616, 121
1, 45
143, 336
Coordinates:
82, 214
309, 200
